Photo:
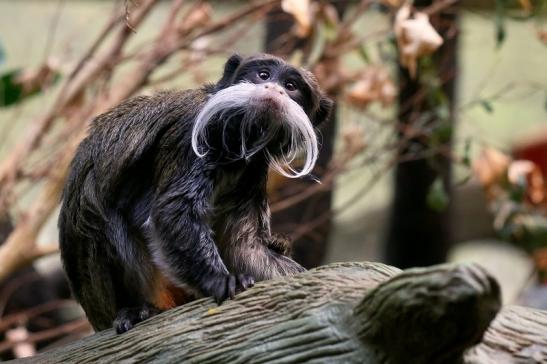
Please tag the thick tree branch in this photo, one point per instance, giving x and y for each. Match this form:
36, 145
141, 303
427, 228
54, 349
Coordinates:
342, 313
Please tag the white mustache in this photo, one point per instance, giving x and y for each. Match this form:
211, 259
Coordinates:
302, 136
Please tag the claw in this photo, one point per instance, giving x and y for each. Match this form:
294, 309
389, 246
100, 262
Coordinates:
127, 318
227, 286
231, 286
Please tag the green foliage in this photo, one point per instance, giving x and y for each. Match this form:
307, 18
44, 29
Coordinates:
512, 9
465, 164
466, 159
2, 54
13, 91
441, 133
437, 198
530, 230
518, 189
363, 52
487, 106
437, 102
501, 6
522, 226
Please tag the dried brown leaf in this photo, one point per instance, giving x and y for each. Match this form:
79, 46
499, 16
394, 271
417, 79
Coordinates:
526, 5
416, 37
520, 171
540, 259
20, 336
542, 35
75, 105
41, 77
392, 3
328, 13
331, 75
199, 17
302, 12
373, 84
490, 168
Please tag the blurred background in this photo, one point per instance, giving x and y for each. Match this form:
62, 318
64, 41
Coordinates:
437, 151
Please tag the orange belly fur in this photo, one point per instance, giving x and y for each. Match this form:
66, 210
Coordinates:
167, 295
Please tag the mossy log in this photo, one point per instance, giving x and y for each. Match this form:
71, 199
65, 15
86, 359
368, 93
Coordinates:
341, 313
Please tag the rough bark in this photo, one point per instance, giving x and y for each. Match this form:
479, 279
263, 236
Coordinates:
341, 313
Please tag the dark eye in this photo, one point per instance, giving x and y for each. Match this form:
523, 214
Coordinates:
291, 86
264, 75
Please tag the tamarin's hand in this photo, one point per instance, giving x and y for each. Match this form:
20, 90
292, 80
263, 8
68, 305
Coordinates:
224, 287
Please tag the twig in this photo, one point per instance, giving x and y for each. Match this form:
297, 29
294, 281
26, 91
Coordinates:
12, 163
107, 29
439, 6
53, 29
23, 316
20, 247
12, 286
324, 217
80, 325
166, 45
127, 16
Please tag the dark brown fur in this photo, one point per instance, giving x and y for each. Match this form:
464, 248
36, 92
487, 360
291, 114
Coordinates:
147, 225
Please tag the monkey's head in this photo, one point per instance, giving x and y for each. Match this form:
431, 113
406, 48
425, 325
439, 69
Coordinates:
263, 105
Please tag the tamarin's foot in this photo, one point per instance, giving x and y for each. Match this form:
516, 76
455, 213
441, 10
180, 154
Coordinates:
127, 318
224, 287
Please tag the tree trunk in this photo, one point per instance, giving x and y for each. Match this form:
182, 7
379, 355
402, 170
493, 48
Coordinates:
341, 313
417, 234
310, 249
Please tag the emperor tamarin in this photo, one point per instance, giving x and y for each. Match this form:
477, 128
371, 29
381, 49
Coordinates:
166, 197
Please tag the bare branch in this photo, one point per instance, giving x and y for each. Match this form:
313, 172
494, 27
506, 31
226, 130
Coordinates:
81, 325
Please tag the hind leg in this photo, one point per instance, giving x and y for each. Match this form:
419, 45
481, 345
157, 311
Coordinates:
127, 318
163, 296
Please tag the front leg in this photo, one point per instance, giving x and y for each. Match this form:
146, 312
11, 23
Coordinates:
248, 248
242, 227
183, 245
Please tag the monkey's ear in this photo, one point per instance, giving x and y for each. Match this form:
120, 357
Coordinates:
324, 111
229, 69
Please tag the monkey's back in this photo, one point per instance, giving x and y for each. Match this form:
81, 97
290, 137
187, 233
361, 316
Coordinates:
107, 197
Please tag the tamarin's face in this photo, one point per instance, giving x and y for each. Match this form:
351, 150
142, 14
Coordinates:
263, 105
